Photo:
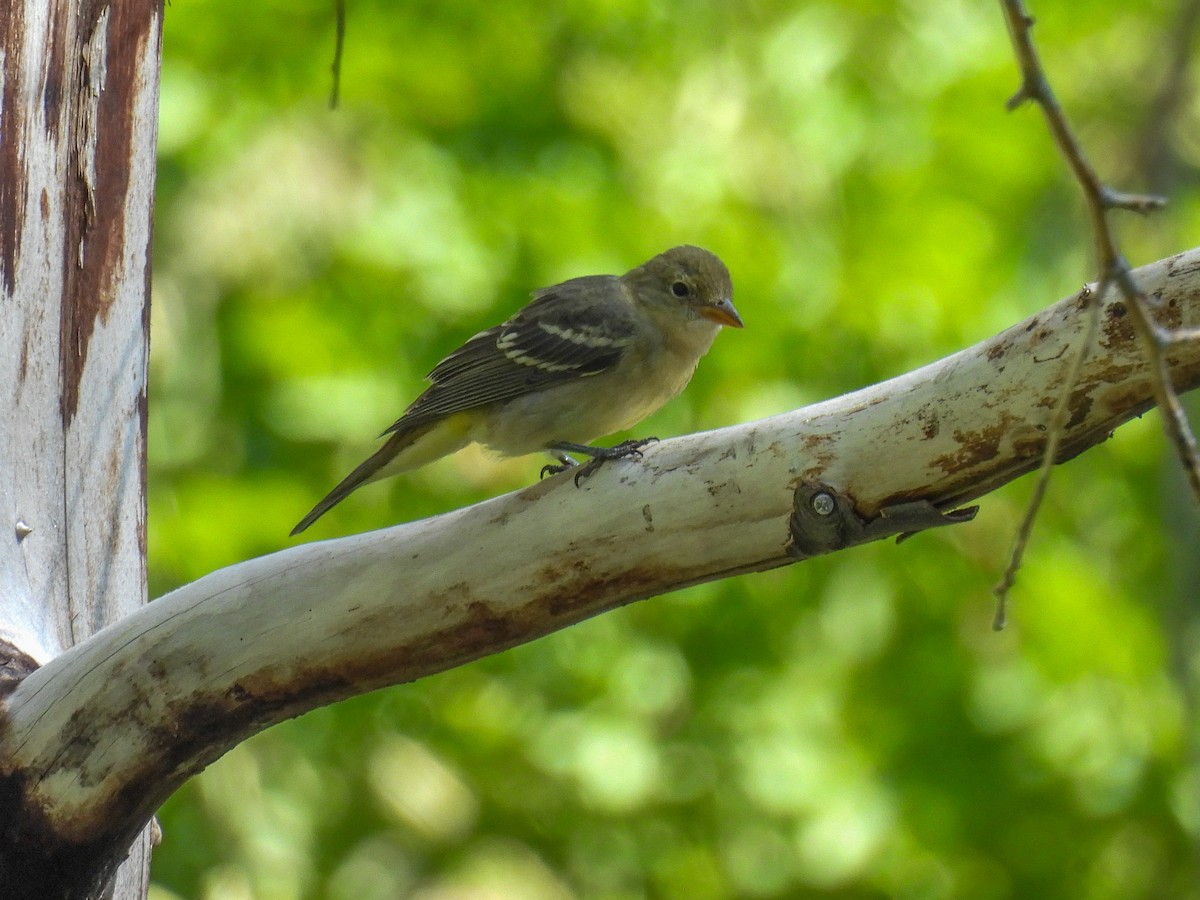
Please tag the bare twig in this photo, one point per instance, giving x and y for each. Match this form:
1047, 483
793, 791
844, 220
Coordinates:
1054, 436
339, 40
1157, 161
1114, 271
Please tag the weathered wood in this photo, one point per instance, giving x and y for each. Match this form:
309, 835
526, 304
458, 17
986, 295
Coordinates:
78, 112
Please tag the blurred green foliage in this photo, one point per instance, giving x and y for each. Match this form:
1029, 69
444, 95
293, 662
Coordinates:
849, 727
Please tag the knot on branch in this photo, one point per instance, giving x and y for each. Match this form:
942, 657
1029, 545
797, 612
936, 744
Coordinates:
824, 520
15, 664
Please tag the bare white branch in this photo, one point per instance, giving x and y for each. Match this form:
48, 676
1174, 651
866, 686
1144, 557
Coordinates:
162, 693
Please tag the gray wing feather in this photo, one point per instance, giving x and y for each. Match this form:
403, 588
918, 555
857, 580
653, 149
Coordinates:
566, 332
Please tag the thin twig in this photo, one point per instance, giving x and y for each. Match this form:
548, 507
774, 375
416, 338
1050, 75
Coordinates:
1035, 87
1057, 429
1114, 271
1182, 336
1175, 421
339, 9
1159, 163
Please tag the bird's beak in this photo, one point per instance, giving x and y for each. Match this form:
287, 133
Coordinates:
723, 313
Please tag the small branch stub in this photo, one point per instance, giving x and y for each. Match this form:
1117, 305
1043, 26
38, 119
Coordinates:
14, 666
824, 521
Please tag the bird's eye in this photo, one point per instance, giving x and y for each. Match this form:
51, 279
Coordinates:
679, 289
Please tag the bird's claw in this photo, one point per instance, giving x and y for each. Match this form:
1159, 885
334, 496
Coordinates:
624, 450
599, 456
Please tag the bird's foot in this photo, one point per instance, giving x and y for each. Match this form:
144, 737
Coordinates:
552, 469
599, 456
565, 462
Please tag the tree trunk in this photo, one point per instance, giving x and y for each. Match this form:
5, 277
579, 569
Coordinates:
78, 113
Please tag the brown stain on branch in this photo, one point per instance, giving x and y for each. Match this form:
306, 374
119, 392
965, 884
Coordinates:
976, 447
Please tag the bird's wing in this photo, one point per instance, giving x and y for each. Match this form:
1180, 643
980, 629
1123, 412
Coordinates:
572, 330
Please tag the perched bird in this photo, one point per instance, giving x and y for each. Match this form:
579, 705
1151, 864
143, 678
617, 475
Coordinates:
583, 359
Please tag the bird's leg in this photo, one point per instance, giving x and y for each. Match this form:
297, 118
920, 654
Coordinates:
599, 455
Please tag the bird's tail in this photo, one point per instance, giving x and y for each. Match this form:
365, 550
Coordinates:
406, 449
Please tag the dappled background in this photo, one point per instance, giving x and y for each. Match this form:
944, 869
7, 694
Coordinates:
849, 727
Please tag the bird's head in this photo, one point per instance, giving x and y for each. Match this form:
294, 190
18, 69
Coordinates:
688, 277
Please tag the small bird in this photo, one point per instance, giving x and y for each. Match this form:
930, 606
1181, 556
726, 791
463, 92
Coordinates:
585, 358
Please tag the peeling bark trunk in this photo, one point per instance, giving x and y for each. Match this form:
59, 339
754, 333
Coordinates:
78, 117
